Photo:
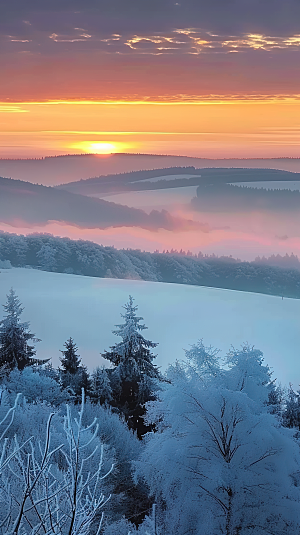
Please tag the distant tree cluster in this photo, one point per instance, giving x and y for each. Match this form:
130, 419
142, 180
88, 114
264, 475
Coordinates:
49, 253
286, 261
229, 197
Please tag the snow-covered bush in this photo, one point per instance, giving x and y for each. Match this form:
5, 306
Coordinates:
46, 488
5, 264
219, 462
35, 386
124, 527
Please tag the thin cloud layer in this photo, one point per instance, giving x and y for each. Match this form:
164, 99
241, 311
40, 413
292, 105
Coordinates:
178, 40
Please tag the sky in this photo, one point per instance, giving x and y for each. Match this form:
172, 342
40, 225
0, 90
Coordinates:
211, 79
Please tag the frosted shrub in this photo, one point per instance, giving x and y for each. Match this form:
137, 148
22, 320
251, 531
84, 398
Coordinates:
219, 463
5, 264
35, 387
39, 495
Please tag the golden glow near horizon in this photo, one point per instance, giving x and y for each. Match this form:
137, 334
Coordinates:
99, 147
215, 128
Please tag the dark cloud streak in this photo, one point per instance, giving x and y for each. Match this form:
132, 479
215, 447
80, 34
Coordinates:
126, 16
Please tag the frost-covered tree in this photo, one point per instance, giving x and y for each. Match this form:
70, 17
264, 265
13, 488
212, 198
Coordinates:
15, 349
134, 377
219, 462
248, 373
101, 391
291, 413
35, 386
203, 360
74, 375
53, 489
70, 361
46, 257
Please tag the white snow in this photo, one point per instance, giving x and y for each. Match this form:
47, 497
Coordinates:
167, 177
59, 306
148, 200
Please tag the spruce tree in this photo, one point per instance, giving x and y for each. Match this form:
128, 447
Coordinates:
101, 389
70, 361
291, 414
133, 379
15, 350
74, 375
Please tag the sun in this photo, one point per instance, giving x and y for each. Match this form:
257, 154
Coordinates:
102, 147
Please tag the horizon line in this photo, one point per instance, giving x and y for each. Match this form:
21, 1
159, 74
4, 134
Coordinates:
68, 155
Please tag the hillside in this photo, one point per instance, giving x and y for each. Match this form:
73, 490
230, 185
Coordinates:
37, 205
80, 257
56, 170
60, 305
174, 177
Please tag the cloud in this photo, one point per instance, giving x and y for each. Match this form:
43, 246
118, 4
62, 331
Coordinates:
195, 41
178, 41
119, 16
208, 48
8, 108
282, 238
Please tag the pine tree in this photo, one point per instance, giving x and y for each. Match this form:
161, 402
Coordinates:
101, 389
74, 375
291, 414
15, 351
71, 360
134, 377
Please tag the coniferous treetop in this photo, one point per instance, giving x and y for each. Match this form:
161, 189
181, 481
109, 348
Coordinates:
70, 361
13, 308
15, 335
132, 356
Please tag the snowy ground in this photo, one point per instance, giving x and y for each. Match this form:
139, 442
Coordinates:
162, 199
59, 306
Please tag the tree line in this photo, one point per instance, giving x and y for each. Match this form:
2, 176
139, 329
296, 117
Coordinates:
80, 257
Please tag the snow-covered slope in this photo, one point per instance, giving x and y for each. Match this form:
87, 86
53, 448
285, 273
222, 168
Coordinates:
59, 306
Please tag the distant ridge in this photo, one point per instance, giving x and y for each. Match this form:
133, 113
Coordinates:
54, 170
37, 205
173, 177
143, 154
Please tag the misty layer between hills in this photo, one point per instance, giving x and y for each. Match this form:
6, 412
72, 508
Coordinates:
37, 205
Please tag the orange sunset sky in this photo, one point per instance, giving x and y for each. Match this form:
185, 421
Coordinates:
209, 79
214, 129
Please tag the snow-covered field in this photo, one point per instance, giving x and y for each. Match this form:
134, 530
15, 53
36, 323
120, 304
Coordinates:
59, 306
162, 199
